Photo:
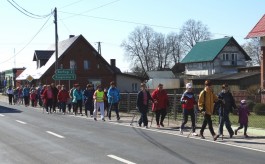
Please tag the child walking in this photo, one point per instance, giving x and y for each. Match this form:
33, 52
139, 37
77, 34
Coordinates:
243, 113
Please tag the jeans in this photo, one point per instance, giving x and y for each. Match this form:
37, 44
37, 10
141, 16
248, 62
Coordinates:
225, 120
143, 119
115, 107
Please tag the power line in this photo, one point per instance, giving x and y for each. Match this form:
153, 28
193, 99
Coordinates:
28, 42
71, 4
26, 12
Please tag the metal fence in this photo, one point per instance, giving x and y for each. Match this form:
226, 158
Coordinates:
128, 104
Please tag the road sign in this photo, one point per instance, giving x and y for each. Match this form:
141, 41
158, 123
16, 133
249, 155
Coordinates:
29, 78
64, 77
65, 71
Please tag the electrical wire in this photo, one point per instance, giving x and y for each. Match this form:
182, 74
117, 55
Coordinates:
28, 42
27, 13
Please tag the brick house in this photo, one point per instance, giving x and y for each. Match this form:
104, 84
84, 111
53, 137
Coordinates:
78, 54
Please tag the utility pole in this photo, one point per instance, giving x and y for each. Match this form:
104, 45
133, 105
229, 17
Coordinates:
99, 48
56, 39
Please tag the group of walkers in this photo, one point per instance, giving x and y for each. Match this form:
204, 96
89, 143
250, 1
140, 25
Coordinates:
92, 100
207, 102
52, 97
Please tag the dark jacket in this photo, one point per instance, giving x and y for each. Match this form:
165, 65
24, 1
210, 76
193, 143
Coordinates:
140, 100
228, 103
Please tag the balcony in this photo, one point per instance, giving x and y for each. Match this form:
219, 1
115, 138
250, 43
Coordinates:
233, 63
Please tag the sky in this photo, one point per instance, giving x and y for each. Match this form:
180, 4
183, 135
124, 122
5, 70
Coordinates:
111, 22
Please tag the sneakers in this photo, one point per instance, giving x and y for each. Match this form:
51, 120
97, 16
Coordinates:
118, 118
180, 131
215, 137
158, 126
95, 119
236, 132
103, 119
194, 134
140, 125
246, 136
146, 127
162, 124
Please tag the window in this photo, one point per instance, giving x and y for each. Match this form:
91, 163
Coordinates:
134, 87
86, 65
225, 57
72, 64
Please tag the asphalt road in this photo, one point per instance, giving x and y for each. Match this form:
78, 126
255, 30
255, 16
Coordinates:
29, 136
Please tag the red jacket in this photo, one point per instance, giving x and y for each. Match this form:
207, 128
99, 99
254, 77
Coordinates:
63, 96
161, 98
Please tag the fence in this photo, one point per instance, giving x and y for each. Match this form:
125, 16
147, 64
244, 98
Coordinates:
128, 104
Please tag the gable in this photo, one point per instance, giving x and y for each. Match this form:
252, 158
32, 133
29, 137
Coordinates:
205, 51
42, 54
258, 30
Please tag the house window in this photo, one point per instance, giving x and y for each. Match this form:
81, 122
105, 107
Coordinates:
86, 65
72, 64
225, 57
134, 87
234, 58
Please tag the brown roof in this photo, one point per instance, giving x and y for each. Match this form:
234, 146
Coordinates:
258, 30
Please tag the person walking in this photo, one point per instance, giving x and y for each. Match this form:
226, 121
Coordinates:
77, 99
160, 106
142, 103
114, 97
55, 91
99, 98
10, 93
62, 97
206, 104
243, 113
224, 108
188, 101
26, 92
48, 99
88, 99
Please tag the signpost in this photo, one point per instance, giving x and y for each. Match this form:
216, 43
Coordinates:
64, 74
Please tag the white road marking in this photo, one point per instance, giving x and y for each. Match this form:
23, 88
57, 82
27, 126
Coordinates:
2, 115
57, 135
120, 159
21, 122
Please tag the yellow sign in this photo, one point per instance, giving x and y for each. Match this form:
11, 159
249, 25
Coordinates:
29, 78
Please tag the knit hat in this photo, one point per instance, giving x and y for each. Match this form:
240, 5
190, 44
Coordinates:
188, 85
243, 101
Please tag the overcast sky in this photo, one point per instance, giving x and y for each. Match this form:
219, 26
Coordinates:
111, 21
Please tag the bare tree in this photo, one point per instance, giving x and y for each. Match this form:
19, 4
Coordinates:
150, 50
138, 47
252, 48
193, 31
174, 46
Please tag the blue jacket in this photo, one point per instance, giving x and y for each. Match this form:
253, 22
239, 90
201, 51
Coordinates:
113, 95
25, 91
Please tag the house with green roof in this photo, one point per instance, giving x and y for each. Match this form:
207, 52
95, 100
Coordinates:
216, 56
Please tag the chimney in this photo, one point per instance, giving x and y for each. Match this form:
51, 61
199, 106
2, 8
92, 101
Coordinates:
71, 36
113, 63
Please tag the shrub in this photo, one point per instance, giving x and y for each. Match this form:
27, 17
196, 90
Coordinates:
259, 109
251, 105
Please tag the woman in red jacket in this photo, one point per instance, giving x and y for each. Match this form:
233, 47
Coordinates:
160, 106
62, 97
